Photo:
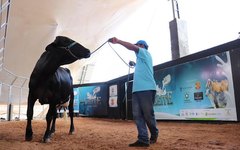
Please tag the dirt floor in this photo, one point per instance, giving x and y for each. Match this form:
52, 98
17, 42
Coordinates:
107, 134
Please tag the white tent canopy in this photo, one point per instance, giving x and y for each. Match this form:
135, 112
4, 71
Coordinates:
33, 24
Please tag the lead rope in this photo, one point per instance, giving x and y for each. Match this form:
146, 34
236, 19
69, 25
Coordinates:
113, 50
99, 47
119, 56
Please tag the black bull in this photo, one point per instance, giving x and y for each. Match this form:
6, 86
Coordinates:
52, 84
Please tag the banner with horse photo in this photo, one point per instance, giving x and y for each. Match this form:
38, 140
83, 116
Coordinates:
197, 90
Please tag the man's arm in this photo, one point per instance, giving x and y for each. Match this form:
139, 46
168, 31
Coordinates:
128, 45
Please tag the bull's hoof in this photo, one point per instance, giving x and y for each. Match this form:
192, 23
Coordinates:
28, 138
71, 133
28, 135
47, 140
51, 135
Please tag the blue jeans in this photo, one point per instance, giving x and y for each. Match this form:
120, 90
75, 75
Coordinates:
143, 114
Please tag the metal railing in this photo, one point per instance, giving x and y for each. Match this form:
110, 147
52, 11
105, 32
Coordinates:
13, 88
4, 13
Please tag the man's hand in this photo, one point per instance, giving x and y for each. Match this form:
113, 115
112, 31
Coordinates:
127, 45
113, 40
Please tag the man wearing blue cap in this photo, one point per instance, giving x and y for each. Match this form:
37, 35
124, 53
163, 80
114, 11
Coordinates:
144, 90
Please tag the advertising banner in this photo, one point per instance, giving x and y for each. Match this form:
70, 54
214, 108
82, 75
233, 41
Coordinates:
197, 90
113, 97
76, 100
93, 100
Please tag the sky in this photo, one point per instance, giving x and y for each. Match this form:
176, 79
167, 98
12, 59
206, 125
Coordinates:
209, 23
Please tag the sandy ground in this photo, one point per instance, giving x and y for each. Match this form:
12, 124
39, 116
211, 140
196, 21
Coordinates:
107, 134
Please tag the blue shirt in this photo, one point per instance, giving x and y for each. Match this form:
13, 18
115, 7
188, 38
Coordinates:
143, 79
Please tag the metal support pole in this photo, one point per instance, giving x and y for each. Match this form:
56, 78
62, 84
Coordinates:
175, 2
19, 112
177, 9
173, 9
0, 89
126, 97
131, 64
9, 105
19, 105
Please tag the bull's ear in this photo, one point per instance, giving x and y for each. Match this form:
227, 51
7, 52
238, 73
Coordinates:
50, 47
61, 40
57, 39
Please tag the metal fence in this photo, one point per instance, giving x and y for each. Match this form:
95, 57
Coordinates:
13, 88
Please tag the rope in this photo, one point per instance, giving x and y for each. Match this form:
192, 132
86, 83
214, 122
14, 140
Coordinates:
114, 51
99, 47
119, 55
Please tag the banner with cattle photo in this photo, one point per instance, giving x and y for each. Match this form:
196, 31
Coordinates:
197, 90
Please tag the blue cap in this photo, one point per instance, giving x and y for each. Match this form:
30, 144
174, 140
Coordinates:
143, 43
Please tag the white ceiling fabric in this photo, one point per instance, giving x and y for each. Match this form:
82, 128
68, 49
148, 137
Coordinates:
33, 24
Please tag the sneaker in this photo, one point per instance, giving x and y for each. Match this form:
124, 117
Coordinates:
138, 144
153, 139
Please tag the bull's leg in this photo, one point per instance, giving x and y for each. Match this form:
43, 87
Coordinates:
49, 117
31, 102
53, 123
71, 113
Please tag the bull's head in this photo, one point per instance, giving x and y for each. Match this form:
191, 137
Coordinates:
74, 49
66, 50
